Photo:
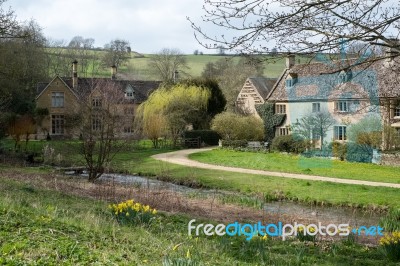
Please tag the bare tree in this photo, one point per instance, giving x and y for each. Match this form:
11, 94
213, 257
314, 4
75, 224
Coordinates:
300, 26
9, 26
117, 53
101, 120
314, 126
165, 63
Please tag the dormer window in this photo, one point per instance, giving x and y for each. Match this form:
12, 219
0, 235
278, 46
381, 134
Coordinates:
291, 79
129, 92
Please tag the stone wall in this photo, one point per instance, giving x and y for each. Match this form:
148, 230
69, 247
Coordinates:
390, 159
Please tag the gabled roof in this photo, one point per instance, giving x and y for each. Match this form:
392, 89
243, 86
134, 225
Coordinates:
322, 81
142, 89
262, 85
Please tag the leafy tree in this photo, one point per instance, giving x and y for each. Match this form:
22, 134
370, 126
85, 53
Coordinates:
271, 120
233, 126
300, 26
215, 105
117, 53
367, 131
165, 63
174, 108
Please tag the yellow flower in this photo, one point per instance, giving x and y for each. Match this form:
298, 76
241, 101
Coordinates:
188, 254
154, 211
176, 246
265, 237
127, 213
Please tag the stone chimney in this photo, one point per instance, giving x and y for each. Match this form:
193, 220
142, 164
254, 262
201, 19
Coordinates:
74, 74
290, 61
113, 72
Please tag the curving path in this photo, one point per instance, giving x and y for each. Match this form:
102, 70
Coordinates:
181, 157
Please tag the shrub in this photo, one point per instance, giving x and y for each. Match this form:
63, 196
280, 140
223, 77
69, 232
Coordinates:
391, 245
359, 153
131, 212
288, 144
237, 127
339, 150
209, 137
391, 222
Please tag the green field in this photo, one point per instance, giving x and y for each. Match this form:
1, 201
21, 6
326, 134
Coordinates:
42, 223
297, 164
137, 65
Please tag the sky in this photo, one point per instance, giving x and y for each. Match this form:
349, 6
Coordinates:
148, 25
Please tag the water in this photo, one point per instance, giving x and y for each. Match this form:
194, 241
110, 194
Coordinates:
337, 215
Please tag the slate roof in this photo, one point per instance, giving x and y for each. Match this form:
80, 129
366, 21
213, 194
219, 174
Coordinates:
142, 89
324, 81
262, 85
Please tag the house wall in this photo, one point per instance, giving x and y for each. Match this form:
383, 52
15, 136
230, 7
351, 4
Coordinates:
248, 98
295, 111
44, 101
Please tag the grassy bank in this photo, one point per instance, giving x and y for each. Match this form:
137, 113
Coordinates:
296, 164
136, 159
46, 227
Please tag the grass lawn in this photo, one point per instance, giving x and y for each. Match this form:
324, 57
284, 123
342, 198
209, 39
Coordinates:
137, 159
46, 227
297, 164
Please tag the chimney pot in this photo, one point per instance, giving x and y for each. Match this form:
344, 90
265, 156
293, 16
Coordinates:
75, 74
290, 61
113, 72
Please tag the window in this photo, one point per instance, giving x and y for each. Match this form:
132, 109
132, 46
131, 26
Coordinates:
96, 123
283, 131
316, 107
96, 102
57, 124
280, 109
57, 99
339, 133
342, 106
397, 111
128, 129
129, 94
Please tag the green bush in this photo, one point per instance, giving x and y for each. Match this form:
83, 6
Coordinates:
288, 144
209, 137
237, 127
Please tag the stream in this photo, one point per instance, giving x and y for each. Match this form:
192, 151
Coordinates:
337, 215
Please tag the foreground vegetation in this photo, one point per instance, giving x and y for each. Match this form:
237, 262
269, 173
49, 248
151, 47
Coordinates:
44, 226
290, 163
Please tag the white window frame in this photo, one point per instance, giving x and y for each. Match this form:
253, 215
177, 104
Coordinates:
316, 107
280, 108
57, 99
343, 106
283, 131
96, 123
340, 133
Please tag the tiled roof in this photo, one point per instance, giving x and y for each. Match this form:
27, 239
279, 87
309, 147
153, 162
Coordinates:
323, 81
142, 89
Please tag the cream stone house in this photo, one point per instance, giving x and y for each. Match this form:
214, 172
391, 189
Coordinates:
348, 90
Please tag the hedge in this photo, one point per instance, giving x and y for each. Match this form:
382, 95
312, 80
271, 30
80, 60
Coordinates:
209, 137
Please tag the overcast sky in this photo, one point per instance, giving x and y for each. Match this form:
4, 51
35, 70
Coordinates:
149, 25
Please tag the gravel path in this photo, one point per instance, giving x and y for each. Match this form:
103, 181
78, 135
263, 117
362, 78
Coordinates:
181, 157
